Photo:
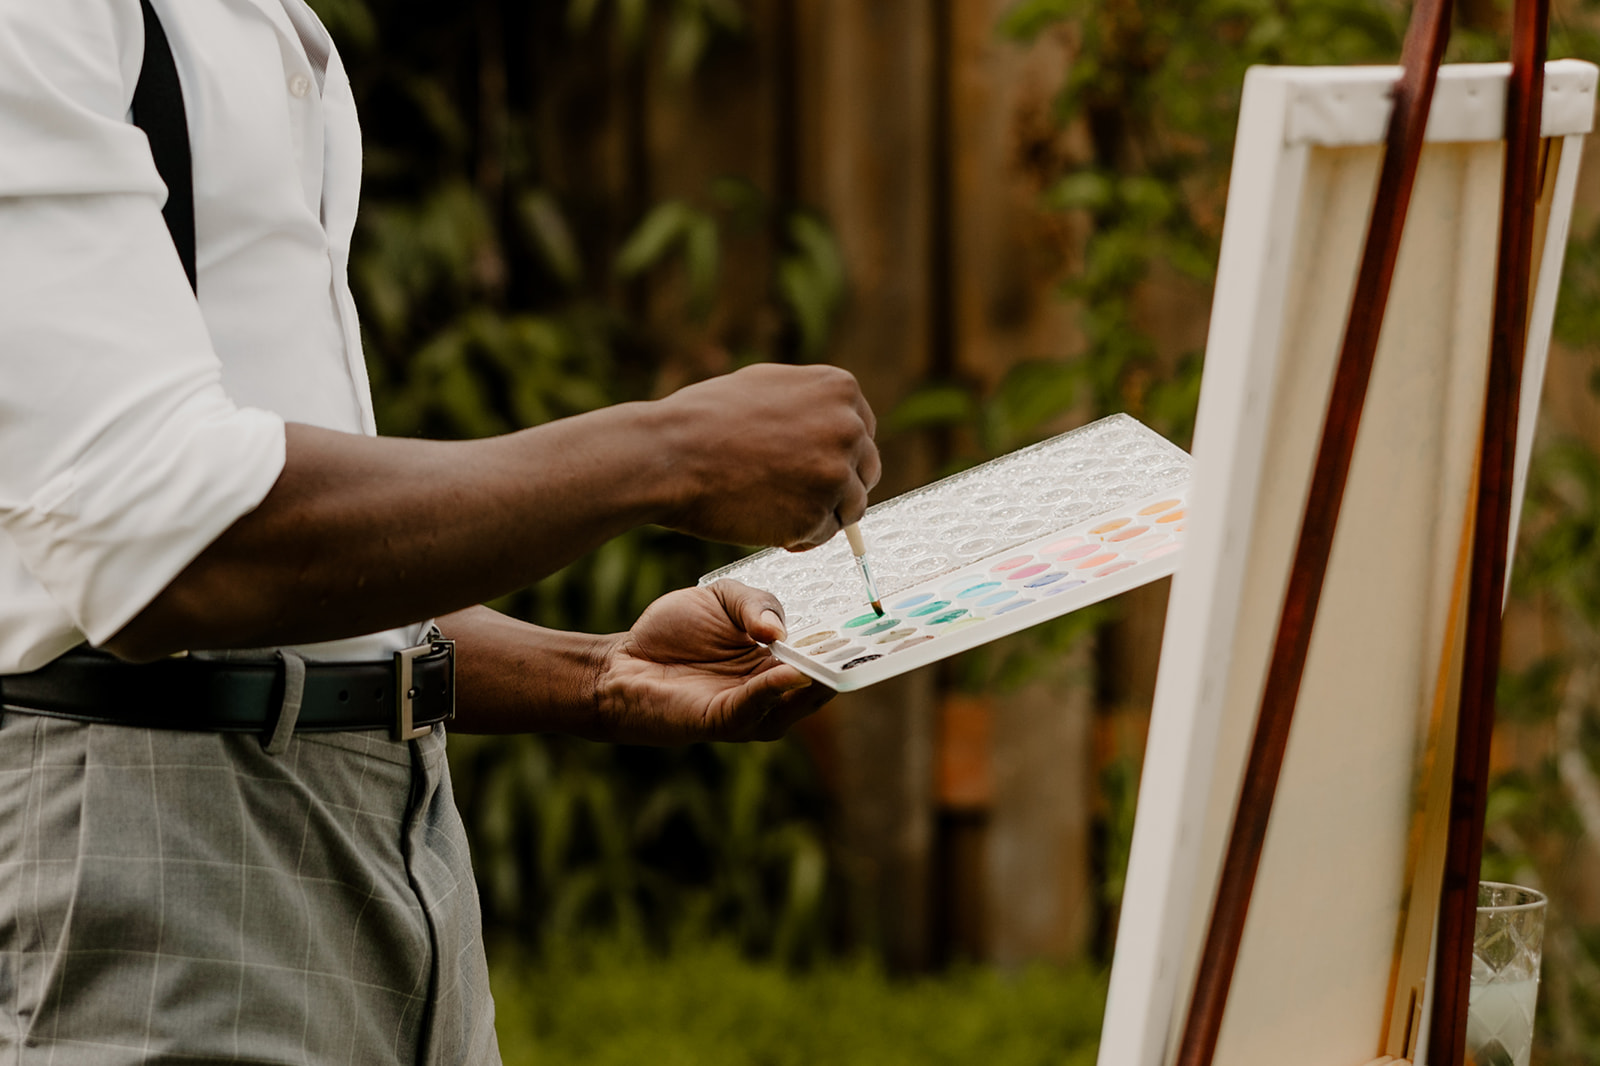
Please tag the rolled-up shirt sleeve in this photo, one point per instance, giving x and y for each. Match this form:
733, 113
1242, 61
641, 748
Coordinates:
121, 457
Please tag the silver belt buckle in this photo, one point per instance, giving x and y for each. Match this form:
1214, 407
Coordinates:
405, 689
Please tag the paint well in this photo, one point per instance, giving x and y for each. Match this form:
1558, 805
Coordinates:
912, 643
1012, 606
1163, 549
1027, 572
996, 597
978, 589
848, 653
948, 616
814, 638
1114, 568
912, 601
1055, 590
1127, 534
1144, 543
1061, 545
1097, 560
1077, 553
899, 634
1106, 527
853, 663
1172, 516
832, 645
1044, 579
882, 627
932, 608
863, 619
1157, 508
1013, 562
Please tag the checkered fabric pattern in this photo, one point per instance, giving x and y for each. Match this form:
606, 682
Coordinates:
186, 897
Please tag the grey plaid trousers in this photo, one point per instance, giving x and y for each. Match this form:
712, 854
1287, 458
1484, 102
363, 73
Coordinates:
172, 897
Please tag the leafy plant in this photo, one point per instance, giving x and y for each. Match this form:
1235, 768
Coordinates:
498, 293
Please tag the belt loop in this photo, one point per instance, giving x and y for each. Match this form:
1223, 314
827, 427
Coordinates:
294, 688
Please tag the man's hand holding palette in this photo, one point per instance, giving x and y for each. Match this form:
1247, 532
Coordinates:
984, 553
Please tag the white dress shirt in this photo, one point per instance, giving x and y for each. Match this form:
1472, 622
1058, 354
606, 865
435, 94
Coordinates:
135, 424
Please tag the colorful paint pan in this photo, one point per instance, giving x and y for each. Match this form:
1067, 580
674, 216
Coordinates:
912, 643
959, 559
1127, 533
1144, 543
1013, 562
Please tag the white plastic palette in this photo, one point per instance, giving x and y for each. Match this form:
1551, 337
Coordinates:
982, 554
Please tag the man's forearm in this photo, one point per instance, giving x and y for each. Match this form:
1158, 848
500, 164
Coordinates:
512, 677
362, 534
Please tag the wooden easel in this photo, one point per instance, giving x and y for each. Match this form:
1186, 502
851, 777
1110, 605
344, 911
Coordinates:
1478, 650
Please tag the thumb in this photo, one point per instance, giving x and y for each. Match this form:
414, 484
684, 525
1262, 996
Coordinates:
758, 613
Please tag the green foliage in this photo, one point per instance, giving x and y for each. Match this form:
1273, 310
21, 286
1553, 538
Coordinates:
714, 840
705, 1004
499, 292
689, 29
812, 281
1154, 88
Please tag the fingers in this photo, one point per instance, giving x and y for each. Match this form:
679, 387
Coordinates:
757, 612
774, 700
853, 505
870, 467
820, 535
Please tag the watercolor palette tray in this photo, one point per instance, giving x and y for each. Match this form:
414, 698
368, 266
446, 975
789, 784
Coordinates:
983, 554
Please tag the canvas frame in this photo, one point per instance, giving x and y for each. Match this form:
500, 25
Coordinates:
1306, 147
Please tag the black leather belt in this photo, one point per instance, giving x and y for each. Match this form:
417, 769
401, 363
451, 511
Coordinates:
406, 696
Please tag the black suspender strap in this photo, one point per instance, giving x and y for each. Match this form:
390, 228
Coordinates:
158, 110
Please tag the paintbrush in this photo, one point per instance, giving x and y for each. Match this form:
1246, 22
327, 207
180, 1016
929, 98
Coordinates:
858, 548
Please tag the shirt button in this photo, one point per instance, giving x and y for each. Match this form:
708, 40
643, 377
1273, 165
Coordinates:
299, 86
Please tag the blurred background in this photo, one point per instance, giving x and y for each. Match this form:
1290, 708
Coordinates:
1003, 216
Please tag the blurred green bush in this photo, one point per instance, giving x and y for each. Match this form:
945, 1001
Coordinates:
502, 287
706, 1004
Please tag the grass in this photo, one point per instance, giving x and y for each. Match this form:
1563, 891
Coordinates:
706, 1005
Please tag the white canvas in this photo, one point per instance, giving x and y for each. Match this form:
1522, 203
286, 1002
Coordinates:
1319, 953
